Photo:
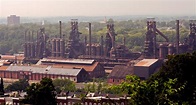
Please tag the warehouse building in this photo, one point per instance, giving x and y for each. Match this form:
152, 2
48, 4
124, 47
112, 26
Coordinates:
94, 68
146, 67
37, 73
119, 73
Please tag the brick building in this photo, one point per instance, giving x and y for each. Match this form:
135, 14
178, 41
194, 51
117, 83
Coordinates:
95, 69
37, 73
119, 73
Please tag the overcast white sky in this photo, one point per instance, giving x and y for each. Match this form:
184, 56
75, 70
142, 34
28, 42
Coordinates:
39, 8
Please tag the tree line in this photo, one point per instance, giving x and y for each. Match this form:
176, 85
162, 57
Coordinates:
12, 37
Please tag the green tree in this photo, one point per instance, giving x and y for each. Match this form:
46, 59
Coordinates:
181, 67
1, 87
175, 83
20, 85
42, 93
64, 85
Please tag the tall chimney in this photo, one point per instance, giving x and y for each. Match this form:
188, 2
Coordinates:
124, 39
85, 40
177, 36
60, 32
102, 50
85, 45
90, 39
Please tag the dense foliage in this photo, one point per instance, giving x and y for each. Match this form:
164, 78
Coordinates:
64, 85
42, 93
179, 72
174, 84
1, 87
12, 37
20, 85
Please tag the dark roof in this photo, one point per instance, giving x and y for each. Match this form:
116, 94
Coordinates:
67, 61
45, 70
120, 71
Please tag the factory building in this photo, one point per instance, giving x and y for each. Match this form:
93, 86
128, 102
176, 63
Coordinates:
160, 50
143, 69
17, 58
94, 68
146, 67
107, 53
119, 73
36, 73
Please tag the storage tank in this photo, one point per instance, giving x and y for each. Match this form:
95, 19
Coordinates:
98, 50
183, 48
93, 50
57, 48
62, 47
53, 48
171, 49
163, 51
87, 49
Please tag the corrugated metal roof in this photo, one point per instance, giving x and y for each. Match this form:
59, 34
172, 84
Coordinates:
64, 71
69, 61
146, 62
3, 67
12, 57
86, 67
120, 71
7, 57
45, 70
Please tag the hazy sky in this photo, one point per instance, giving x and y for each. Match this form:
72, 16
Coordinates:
39, 8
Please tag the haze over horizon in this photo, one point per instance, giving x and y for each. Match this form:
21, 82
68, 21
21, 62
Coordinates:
48, 8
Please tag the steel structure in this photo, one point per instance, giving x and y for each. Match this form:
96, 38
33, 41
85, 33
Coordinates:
153, 50
74, 47
35, 49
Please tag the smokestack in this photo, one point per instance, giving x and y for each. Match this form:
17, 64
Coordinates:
85, 40
60, 28
102, 46
177, 36
85, 45
124, 39
90, 39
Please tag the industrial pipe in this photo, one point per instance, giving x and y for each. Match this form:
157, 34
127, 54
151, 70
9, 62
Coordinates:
60, 32
160, 33
177, 36
90, 39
